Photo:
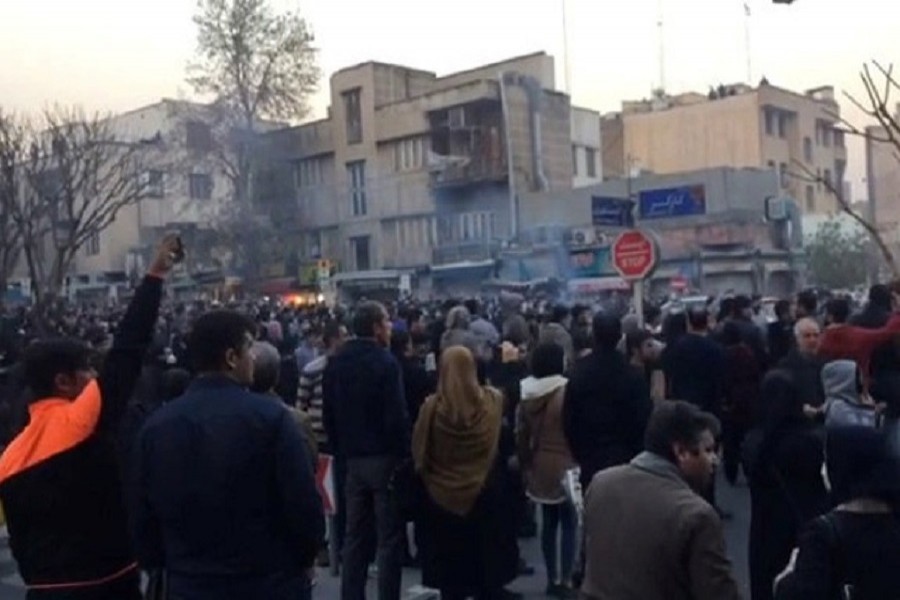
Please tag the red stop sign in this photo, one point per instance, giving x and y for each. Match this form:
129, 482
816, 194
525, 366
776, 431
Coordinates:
634, 254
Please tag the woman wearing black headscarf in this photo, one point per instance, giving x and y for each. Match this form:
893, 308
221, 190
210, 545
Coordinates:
783, 461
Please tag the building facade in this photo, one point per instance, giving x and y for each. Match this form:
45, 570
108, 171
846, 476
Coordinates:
418, 176
710, 224
737, 126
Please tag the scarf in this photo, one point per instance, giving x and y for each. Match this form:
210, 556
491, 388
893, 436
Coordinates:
455, 440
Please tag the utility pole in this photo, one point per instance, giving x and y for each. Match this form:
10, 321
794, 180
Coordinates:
662, 46
566, 65
748, 48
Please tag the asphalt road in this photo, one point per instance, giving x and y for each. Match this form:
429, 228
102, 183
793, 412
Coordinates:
734, 500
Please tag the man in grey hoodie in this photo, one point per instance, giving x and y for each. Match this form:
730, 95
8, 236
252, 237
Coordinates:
846, 403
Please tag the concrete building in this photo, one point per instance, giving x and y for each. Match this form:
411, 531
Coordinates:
414, 177
710, 224
734, 126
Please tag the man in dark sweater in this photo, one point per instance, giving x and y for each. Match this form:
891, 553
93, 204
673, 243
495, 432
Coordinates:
225, 496
607, 404
695, 366
367, 425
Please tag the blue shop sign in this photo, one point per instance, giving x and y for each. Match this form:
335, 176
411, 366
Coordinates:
612, 212
673, 202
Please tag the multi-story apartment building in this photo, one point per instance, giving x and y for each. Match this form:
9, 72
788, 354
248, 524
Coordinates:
411, 172
735, 126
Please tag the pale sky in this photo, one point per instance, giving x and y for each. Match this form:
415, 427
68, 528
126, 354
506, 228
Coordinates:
120, 54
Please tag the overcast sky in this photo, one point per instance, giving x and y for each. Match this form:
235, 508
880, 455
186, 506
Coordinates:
119, 54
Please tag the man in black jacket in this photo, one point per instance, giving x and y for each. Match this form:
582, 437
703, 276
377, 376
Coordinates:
607, 404
367, 423
225, 496
60, 483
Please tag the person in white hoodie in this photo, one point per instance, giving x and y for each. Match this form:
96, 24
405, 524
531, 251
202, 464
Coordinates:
544, 456
846, 403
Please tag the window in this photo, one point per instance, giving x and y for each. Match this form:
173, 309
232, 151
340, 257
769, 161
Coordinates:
590, 157
810, 199
356, 175
200, 186
840, 171
783, 119
360, 250
409, 154
838, 138
818, 179
574, 160
199, 136
783, 174
826, 135
156, 184
353, 115
92, 246
807, 149
309, 173
769, 115
826, 176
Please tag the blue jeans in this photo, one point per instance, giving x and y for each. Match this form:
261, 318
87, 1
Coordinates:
558, 519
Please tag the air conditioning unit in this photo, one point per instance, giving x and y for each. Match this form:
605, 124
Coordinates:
583, 236
456, 117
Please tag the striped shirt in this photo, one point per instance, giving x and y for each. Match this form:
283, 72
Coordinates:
309, 395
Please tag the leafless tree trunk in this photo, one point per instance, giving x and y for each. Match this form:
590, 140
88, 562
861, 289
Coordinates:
78, 176
879, 84
13, 142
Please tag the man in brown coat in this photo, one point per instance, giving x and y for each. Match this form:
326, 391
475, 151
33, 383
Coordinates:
648, 534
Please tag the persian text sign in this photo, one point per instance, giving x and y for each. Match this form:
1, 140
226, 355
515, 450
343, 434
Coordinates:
682, 201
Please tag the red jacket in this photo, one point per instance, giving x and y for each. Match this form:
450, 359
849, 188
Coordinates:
856, 343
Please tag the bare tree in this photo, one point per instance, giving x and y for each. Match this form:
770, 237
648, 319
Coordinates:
78, 177
879, 84
13, 146
256, 64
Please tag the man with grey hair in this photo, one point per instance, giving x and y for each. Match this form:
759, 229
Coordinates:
266, 370
803, 364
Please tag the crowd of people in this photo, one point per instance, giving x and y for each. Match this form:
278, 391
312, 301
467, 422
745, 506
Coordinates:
182, 442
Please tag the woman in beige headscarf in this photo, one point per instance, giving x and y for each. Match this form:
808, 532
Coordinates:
460, 447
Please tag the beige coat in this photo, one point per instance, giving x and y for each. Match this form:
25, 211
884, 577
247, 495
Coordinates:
542, 447
648, 535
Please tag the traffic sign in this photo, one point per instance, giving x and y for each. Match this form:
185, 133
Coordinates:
634, 255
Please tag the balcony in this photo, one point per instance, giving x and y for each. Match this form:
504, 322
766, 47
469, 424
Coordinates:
460, 252
452, 171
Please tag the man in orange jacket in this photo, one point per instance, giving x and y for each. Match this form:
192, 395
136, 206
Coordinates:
60, 482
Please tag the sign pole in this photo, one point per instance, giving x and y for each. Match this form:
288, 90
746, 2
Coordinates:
638, 299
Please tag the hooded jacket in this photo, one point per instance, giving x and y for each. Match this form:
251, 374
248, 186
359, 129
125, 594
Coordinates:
842, 394
540, 440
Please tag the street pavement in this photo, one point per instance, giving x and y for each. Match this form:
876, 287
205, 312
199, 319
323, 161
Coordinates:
734, 500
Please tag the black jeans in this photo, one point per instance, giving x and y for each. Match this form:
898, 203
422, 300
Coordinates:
732, 438
368, 497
